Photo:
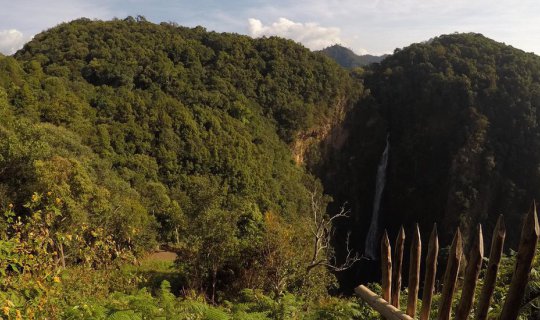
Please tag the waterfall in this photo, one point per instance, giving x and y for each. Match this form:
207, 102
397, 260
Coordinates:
371, 239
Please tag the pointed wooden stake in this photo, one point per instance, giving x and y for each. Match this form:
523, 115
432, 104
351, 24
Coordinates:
527, 248
471, 276
431, 269
396, 269
497, 244
450, 277
386, 267
414, 272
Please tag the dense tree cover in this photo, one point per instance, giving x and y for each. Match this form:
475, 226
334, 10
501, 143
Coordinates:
461, 112
348, 59
164, 134
117, 136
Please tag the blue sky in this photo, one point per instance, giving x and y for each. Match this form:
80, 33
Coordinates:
366, 26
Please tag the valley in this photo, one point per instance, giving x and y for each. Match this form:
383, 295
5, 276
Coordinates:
235, 155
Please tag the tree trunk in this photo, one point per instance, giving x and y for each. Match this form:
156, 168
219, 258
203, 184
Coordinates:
214, 280
62, 256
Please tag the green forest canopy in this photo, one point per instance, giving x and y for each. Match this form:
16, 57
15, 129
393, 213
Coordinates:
135, 134
164, 113
153, 134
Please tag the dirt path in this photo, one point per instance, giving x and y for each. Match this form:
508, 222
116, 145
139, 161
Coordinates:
162, 256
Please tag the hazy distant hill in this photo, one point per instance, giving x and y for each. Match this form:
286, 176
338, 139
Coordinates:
348, 59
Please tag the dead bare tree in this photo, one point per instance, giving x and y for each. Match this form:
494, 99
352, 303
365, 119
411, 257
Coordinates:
322, 229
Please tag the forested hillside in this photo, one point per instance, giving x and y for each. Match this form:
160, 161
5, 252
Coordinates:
461, 113
136, 134
173, 112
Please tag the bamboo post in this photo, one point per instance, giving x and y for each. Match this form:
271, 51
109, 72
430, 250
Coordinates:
450, 276
386, 267
497, 244
396, 269
527, 248
414, 272
431, 269
471, 276
387, 310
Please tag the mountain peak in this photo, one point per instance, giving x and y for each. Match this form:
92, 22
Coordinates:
348, 59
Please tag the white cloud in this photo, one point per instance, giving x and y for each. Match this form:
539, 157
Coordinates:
312, 35
11, 40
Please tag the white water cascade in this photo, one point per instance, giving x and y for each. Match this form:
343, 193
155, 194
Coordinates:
371, 239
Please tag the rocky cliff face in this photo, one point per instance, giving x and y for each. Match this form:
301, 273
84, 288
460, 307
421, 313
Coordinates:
311, 146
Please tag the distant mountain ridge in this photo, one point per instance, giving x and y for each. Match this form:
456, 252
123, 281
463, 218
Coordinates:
348, 59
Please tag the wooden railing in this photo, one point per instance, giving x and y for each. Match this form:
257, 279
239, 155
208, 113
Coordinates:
388, 305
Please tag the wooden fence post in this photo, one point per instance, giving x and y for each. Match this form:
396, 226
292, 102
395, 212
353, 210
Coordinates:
450, 276
431, 269
388, 305
471, 276
396, 268
386, 267
388, 311
490, 280
526, 251
414, 272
